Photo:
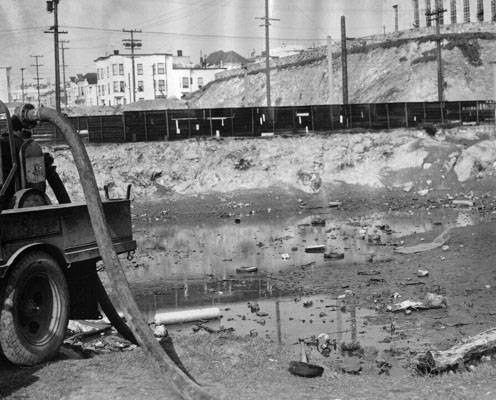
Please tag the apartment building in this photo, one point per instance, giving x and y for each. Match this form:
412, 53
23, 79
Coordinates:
82, 90
411, 13
157, 75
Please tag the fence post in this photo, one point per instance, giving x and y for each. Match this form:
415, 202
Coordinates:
252, 122
311, 118
387, 116
350, 117
124, 139
167, 125
425, 113
331, 117
406, 115
101, 129
370, 116
146, 127
232, 122
477, 111
460, 113
210, 120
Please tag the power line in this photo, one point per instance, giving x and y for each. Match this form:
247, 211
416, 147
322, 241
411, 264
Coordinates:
52, 7
37, 79
266, 24
63, 49
132, 43
195, 35
437, 15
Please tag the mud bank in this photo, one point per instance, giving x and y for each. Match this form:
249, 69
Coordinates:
406, 160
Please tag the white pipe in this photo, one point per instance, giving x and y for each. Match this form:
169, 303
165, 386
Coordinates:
178, 317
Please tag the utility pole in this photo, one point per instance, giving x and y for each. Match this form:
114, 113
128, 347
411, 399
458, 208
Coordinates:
63, 49
53, 7
344, 60
22, 83
37, 79
132, 43
436, 15
266, 24
395, 8
330, 75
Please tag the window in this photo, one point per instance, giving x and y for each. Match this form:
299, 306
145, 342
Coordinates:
200, 82
161, 84
427, 10
161, 68
466, 11
115, 70
121, 69
108, 88
141, 86
480, 10
139, 68
453, 11
116, 86
103, 90
185, 82
108, 71
122, 86
439, 6
493, 10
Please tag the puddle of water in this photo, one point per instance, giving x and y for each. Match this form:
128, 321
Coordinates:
183, 253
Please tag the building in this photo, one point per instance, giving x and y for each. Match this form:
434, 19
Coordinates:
157, 75
47, 94
228, 60
82, 90
411, 13
5, 91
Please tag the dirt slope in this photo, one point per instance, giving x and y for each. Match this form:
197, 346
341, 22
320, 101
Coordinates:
407, 160
396, 68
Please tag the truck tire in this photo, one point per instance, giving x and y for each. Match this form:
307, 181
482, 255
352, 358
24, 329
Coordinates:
34, 310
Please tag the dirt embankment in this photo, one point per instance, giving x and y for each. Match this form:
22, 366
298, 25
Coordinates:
407, 160
398, 68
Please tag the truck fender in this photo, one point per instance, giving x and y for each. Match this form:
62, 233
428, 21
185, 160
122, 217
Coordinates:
49, 249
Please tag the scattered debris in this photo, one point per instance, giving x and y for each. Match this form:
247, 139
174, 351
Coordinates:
431, 300
421, 273
318, 222
241, 270
308, 303
333, 255
419, 248
334, 204
303, 368
470, 349
243, 164
464, 203
319, 248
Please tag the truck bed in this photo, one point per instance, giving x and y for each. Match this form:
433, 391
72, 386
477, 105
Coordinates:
64, 226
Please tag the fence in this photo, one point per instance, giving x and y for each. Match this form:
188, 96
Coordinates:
137, 126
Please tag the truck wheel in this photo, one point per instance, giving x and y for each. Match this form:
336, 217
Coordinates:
34, 310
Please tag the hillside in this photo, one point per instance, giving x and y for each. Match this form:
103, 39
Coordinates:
398, 67
399, 160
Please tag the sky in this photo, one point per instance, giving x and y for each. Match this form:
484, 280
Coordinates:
95, 27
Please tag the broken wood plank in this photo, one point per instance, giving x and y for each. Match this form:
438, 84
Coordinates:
472, 348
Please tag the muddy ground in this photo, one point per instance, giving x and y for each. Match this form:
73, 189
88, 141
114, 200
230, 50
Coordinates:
235, 364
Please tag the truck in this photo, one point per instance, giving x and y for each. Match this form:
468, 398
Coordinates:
48, 251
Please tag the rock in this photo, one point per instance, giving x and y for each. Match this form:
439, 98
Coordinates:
351, 365
261, 314
421, 273
285, 256
476, 158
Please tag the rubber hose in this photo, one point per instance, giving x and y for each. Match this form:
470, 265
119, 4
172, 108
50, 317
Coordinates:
119, 290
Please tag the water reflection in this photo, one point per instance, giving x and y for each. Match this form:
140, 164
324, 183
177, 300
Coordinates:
183, 253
